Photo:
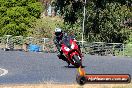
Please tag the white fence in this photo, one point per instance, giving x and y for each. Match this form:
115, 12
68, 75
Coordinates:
20, 43
47, 45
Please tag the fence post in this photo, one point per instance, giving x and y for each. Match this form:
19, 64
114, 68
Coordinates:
7, 40
44, 41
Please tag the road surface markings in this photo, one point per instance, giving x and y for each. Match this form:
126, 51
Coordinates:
4, 72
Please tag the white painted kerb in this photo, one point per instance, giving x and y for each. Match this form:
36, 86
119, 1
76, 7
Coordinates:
4, 72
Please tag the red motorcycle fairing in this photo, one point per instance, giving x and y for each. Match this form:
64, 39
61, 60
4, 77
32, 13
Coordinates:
70, 51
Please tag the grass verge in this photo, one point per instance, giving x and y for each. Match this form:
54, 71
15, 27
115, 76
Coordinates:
50, 85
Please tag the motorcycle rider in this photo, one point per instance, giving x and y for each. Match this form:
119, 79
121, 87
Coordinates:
59, 36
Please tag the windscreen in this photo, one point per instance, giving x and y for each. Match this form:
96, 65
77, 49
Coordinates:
66, 41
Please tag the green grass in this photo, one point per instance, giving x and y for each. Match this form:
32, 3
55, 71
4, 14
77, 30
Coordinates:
128, 50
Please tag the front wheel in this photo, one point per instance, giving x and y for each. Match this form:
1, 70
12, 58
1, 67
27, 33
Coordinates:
78, 62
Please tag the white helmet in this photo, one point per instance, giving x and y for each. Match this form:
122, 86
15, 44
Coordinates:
58, 31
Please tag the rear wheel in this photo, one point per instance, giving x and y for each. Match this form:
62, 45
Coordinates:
78, 62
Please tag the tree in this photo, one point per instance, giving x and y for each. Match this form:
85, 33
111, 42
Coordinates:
17, 15
71, 12
103, 18
44, 27
69, 9
104, 21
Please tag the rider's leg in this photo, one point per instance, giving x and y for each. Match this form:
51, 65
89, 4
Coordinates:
60, 54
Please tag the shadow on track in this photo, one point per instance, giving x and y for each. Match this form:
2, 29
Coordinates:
73, 66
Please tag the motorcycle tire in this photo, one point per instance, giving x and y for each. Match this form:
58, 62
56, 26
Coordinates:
78, 62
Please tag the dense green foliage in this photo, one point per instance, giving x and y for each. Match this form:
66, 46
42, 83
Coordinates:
70, 9
17, 15
104, 18
44, 27
105, 23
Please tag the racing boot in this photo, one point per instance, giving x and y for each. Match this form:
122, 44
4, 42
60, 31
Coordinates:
68, 63
64, 59
59, 54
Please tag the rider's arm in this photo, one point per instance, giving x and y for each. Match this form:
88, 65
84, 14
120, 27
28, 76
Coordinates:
74, 38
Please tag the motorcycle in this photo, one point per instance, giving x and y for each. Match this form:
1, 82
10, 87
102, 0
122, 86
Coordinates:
71, 51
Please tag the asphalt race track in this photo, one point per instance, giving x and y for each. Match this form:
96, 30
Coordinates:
1, 72
33, 67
